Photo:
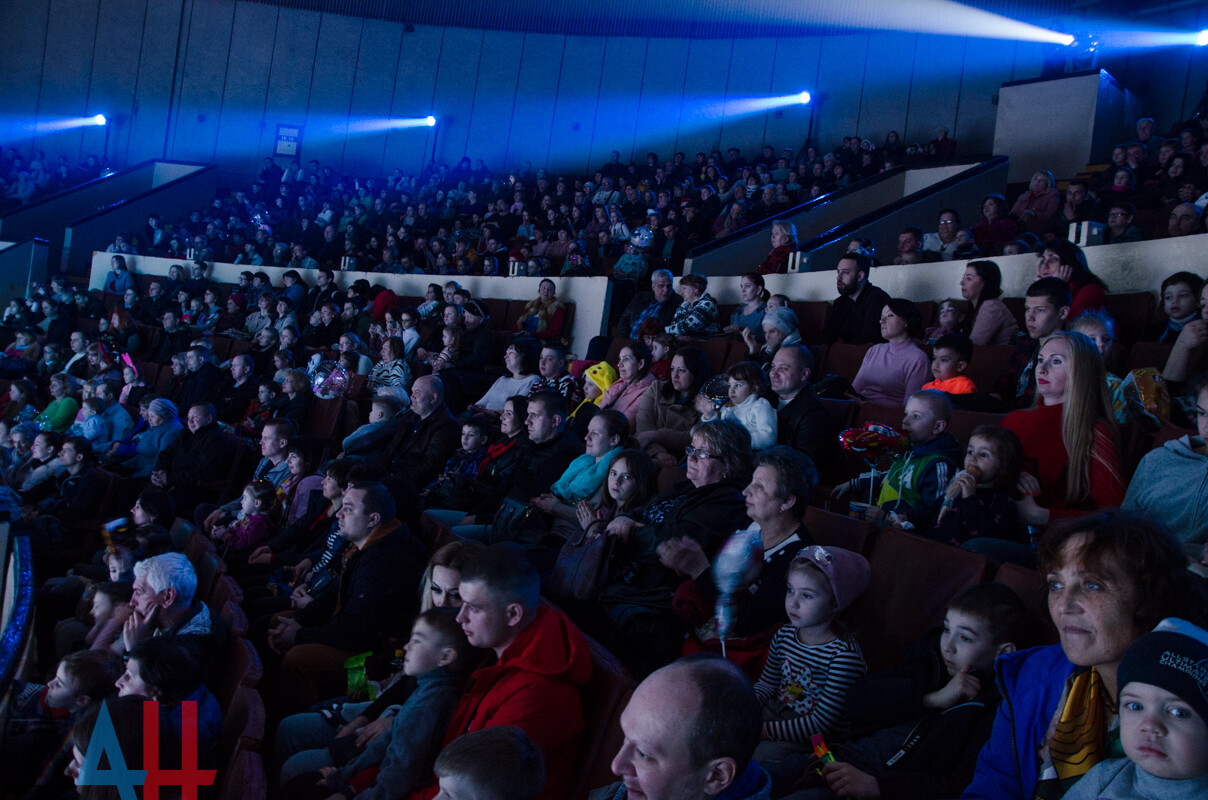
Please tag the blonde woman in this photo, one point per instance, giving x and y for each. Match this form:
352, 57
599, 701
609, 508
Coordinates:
1070, 447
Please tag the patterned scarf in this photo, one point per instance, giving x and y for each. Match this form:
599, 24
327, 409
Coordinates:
1078, 738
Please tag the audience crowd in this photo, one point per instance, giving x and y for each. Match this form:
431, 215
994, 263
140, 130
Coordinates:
412, 477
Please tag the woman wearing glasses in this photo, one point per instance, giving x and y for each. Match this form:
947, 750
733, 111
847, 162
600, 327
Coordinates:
707, 507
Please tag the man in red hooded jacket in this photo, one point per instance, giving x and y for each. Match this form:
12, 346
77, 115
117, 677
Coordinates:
542, 662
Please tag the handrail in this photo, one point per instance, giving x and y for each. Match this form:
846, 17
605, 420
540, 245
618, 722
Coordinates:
808, 205
851, 226
24, 241
204, 168
77, 187
20, 623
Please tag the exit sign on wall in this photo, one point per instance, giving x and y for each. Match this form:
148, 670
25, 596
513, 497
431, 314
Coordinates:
289, 140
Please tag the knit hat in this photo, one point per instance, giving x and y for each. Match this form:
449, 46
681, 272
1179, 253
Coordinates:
475, 308
1173, 656
782, 317
602, 375
164, 408
847, 572
239, 299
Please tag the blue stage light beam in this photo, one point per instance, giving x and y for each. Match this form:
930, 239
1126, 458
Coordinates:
942, 17
21, 127
1116, 37
376, 125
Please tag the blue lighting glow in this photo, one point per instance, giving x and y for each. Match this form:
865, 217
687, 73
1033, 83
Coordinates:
99, 119
1202, 39
376, 125
805, 98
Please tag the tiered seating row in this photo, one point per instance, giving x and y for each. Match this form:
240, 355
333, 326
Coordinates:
242, 774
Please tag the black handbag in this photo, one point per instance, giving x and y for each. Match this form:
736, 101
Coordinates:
582, 567
511, 521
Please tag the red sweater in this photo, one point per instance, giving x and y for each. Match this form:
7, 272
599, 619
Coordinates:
1090, 297
1039, 430
535, 686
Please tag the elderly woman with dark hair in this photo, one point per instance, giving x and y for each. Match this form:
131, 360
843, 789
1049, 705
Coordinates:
697, 316
1111, 578
989, 320
781, 486
705, 508
667, 413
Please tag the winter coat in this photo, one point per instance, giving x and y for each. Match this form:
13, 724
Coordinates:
535, 685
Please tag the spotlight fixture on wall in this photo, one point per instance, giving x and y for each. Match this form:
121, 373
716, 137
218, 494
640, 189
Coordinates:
430, 121
805, 98
1202, 39
99, 119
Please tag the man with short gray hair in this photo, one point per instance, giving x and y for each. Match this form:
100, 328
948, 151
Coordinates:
164, 604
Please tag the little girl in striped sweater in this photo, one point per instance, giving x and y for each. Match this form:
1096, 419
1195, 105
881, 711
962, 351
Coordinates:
811, 662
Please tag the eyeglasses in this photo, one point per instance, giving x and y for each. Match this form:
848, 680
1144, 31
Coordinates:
699, 454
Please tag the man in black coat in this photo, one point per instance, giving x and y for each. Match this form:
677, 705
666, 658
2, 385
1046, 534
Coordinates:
802, 422
203, 453
376, 599
203, 382
855, 316
175, 339
427, 436
237, 395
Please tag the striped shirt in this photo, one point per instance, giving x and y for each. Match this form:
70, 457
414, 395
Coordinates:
803, 687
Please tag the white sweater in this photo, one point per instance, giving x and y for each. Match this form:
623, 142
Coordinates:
758, 417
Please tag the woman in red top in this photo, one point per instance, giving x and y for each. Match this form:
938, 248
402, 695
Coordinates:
1063, 259
1069, 438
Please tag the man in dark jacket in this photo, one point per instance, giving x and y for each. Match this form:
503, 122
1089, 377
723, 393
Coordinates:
175, 339
78, 494
545, 455
204, 453
237, 396
855, 316
802, 422
324, 291
376, 598
468, 379
203, 382
660, 302
427, 436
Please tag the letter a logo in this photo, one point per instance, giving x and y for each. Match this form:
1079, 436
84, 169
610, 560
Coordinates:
104, 740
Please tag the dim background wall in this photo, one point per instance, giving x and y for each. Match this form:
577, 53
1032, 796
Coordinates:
210, 80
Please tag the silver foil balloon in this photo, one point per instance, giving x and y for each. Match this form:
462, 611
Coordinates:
717, 389
329, 380
642, 238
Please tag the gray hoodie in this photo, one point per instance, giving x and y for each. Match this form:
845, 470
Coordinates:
1171, 485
